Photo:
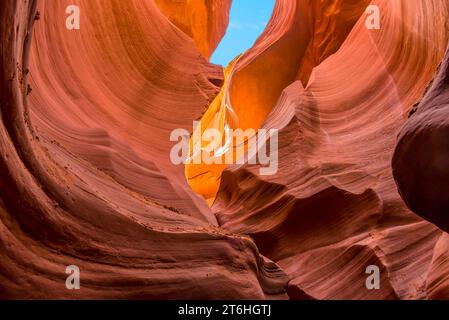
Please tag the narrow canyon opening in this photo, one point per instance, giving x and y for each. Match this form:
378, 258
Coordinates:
86, 179
247, 21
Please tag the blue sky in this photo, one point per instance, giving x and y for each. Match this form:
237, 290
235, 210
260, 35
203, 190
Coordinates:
247, 20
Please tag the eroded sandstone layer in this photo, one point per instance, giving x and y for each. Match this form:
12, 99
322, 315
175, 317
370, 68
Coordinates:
203, 20
86, 177
422, 153
89, 182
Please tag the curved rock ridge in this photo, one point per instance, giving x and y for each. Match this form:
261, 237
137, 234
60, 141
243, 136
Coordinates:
299, 36
332, 209
124, 84
422, 153
86, 177
205, 21
437, 282
78, 186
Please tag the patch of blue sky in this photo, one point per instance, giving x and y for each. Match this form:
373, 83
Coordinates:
248, 19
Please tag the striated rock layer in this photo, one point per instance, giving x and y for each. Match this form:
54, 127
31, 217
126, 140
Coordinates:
203, 20
421, 172
86, 177
299, 36
333, 209
422, 153
74, 193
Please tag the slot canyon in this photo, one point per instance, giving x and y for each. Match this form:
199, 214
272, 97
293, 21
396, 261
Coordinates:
86, 178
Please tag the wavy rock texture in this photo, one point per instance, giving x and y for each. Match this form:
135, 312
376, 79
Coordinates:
203, 20
86, 178
422, 153
300, 35
333, 209
420, 169
73, 192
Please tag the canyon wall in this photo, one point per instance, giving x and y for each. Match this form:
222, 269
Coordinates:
74, 193
86, 177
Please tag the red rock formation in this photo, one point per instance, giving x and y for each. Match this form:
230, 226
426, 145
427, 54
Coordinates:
332, 209
86, 179
203, 20
422, 153
420, 169
299, 36
73, 192
438, 279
